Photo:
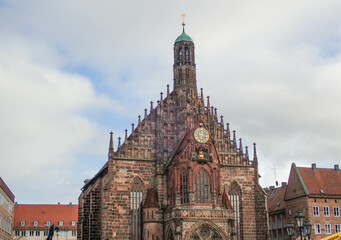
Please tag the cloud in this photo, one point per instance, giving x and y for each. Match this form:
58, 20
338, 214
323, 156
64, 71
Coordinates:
69, 70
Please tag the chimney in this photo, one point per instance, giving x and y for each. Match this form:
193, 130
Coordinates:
16, 204
70, 204
272, 188
284, 184
313, 166
336, 167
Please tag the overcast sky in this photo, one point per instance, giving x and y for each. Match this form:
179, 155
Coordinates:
72, 71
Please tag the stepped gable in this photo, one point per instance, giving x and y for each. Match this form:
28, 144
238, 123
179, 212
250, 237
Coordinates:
160, 133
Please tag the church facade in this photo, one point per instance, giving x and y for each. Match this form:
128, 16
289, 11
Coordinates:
180, 175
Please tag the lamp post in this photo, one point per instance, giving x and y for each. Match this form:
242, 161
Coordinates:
300, 221
290, 229
307, 228
304, 227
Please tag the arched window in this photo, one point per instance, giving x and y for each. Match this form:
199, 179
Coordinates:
135, 208
202, 187
234, 195
183, 186
186, 53
180, 55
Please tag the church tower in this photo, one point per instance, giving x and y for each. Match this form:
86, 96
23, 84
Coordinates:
184, 70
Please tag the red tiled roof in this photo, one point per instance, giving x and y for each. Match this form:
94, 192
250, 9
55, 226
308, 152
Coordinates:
276, 199
45, 212
326, 179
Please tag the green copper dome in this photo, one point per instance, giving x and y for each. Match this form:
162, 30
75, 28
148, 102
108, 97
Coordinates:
184, 37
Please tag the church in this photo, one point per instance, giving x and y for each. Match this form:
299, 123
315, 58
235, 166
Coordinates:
179, 175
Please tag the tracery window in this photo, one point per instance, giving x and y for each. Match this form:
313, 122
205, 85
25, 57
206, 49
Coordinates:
135, 208
202, 187
234, 195
183, 186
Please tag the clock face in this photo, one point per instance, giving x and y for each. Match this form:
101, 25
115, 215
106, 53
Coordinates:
201, 135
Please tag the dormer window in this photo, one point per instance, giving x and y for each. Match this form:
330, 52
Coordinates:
35, 223
73, 223
60, 223
22, 223
48, 223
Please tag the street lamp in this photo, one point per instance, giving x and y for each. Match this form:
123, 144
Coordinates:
290, 229
299, 219
307, 228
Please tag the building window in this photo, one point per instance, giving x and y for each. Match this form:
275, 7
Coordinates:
336, 212
35, 223
183, 186
48, 223
38, 233
202, 187
31, 233
23, 233
16, 233
317, 228
73, 223
326, 211
135, 206
316, 212
60, 223
234, 195
337, 228
22, 223
327, 228
74, 233
46, 233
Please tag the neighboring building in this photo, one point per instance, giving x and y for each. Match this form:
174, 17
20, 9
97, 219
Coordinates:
316, 192
6, 211
179, 175
277, 212
33, 221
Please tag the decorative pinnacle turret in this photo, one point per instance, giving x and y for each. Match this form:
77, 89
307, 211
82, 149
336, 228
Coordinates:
255, 159
247, 152
151, 106
161, 97
145, 113
139, 121
208, 103
119, 142
228, 129
240, 145
167, 90
234, 138
111, 144
126, 135
132, 128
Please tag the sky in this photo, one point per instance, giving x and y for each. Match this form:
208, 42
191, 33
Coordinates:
72, 71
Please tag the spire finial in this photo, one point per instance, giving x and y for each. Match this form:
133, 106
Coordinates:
183, 21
